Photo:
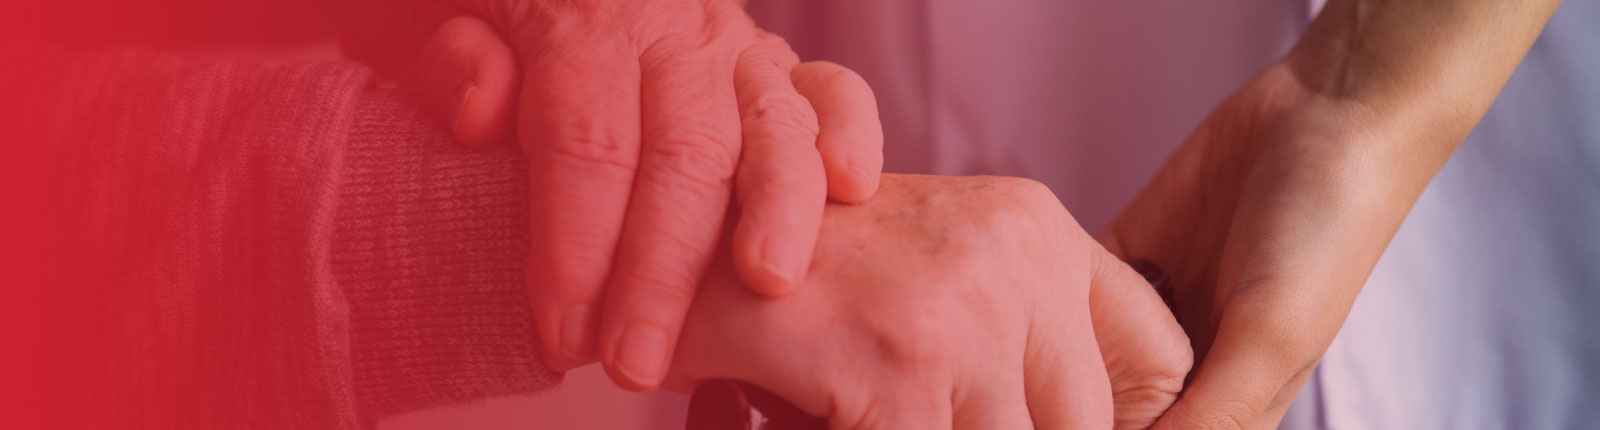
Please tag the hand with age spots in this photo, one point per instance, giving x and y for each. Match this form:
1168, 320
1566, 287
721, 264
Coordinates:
965, 303
641, 122
907, 228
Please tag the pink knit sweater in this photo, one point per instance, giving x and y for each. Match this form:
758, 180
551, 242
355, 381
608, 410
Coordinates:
231, 244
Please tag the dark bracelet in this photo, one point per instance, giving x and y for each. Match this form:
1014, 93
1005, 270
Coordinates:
1156, 277
733, 405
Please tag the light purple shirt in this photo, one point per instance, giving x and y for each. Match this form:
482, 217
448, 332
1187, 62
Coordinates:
1484, 313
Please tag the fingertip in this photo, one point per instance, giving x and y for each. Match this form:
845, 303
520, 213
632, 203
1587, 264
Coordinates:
468, 77
566, 336
487, 112
782, 197
770, 262
850, 136
577, 334
870, 177
639, 359
852, 184
565, 288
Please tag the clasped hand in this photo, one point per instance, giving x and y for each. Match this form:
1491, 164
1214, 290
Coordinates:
942, 302
641, 120
948, 302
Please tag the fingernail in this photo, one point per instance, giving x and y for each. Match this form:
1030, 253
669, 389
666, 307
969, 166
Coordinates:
862, 177
576, 338
464, 89
463, 92
642, 354
781, 261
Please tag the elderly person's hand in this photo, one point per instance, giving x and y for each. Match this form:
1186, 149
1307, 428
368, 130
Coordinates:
641, 120
945, 303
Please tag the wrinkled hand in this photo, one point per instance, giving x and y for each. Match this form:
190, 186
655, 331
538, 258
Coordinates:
943, 303
1267, 220
640, 121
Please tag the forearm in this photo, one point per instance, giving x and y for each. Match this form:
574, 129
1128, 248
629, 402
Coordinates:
1422, 72
270, 244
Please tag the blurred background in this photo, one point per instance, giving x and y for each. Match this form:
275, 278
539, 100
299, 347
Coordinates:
1496, 271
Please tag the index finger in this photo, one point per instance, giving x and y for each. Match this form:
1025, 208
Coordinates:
850, 136
780, 185
674, 220
578, 124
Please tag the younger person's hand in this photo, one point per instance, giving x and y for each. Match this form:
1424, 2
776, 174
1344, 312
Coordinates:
1272, 214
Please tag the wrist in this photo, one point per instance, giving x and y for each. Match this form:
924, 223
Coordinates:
1399, 96
429, 249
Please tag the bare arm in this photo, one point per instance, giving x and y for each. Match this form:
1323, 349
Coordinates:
1270, 217
1427, 70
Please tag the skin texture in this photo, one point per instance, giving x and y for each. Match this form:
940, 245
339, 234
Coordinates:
1272, 214
1270, 217
1145, 353
985, 277
642, 121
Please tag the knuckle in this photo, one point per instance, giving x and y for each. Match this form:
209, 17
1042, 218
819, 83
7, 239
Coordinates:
563, 276
911, 340
833, 77
778, 116
855, 406
670, 49
857, 129
588, 145
871, 416
1154, 390
1169, 375
1036, 204
547, 22
1008, 203
783, 184
827, 74
662, 284
1027, 189
724, 21
695, 153
676, 28
771, 55
1016, 218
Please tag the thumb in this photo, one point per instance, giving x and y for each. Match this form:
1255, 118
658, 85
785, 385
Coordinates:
1146, 352
468, 77
1254, 367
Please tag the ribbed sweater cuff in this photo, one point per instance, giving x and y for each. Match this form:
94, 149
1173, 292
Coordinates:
430, 249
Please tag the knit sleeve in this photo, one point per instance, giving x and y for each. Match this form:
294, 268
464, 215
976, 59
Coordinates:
248, 244
430, 248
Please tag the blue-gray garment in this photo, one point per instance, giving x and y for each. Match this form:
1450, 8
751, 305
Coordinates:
1484, 313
